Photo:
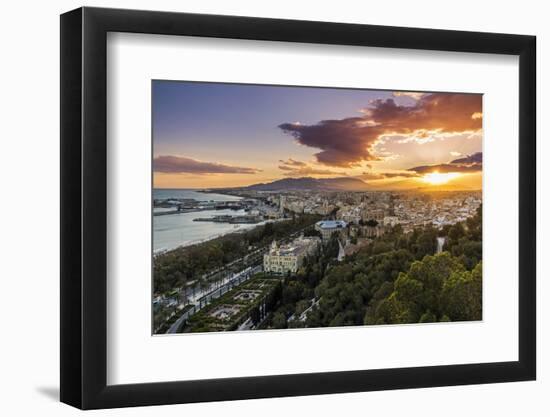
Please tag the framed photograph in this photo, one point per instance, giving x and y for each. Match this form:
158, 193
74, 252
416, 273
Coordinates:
257, 208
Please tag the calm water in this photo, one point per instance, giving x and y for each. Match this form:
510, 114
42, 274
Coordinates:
164, 193
175, 230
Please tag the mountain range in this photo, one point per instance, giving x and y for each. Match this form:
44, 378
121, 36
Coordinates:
312, 184
348, 184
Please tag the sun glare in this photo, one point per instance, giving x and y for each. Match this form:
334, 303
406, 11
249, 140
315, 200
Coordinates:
438, 178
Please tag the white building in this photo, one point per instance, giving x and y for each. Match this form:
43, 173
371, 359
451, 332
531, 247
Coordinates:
296, 206
324, 209
328, 227
373, 214
289, 258
352, 215
282, 204
391, 220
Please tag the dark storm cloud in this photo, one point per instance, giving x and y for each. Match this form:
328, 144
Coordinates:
348, 142
180, 164
471, 163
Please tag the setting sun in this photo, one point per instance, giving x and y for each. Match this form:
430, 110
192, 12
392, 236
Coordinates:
437, 178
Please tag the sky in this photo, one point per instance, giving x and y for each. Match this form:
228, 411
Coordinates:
210, 135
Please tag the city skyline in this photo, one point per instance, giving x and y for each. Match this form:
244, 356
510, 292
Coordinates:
217, 135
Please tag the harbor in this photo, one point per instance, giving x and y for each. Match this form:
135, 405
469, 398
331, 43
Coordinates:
178, 206
174, 226
224, 218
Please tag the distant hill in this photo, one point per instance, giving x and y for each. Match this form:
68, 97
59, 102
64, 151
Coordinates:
348, 184
312, 184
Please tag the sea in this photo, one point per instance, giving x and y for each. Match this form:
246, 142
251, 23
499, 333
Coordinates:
176, 230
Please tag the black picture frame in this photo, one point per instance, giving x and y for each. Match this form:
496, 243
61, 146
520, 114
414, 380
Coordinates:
84, 207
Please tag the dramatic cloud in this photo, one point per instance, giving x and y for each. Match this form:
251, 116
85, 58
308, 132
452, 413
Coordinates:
476, 158
295, 168
444, 168
180, 164
348, 142
471, 163
444, 112
342, 142
414, 95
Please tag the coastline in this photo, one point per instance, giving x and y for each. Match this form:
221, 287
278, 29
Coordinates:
208, 239
178, 230
221, 192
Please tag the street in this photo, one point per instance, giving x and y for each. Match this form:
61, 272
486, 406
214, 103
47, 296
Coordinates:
206, 297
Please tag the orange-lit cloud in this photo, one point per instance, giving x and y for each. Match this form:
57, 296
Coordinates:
411, 94
348, 142
295, 168
470, 163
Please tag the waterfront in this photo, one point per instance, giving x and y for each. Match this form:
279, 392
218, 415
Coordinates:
165, 193
170, 232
